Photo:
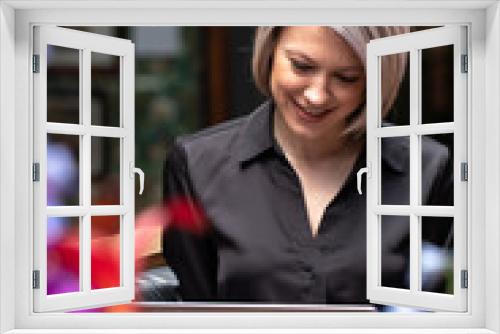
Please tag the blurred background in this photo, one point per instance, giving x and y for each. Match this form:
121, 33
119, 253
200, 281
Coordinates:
187, 78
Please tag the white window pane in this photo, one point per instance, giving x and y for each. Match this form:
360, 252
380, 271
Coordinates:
395, 251
63, 255
105, 89
105, 252
437, 175
437, 254
105, 186
437, 84
395, 170
63, 177
63, 84
394, 73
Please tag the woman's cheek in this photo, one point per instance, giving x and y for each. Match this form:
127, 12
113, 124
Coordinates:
287, 87
351, 96
290, 81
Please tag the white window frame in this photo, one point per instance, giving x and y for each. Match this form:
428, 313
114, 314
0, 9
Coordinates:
84, 43
16, 20
414, 43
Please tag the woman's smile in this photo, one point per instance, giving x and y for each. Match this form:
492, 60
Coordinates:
311, 115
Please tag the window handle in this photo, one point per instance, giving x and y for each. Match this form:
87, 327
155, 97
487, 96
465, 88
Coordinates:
360, 174
135, 170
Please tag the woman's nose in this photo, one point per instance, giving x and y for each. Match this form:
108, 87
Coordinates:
317, 93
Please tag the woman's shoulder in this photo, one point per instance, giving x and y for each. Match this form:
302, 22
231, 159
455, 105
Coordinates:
211, 142
219, 135
205, 154
223, 139
220, 144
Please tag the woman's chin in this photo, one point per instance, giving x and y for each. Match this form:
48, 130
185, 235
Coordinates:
310, 127
321, 134
305, 132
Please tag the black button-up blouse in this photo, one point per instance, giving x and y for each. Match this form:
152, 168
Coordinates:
238, 228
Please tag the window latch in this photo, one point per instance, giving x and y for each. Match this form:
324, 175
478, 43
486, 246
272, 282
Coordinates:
135, 170
359, 175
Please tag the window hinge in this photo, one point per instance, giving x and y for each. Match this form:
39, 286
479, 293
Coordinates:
465, 66
36, 279
464, 279
36, 171
36, 63
464, 169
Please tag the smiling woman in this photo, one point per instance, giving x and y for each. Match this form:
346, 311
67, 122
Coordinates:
317, 82
271, 213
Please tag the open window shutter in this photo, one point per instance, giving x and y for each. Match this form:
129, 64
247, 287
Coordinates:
416, 213
70, 257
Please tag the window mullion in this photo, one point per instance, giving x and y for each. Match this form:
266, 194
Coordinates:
420, 129
85, 171
80, 211
127, 179
414, 172
80, 130
419, 210
107, 131
40, 154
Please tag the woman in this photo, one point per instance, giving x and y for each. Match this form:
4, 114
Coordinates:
264, 208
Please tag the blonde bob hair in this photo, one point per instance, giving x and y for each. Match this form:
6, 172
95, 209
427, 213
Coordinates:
357, 37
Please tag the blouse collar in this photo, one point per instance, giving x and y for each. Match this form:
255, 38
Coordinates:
256, 137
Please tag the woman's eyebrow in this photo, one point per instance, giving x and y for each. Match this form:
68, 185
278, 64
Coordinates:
300, 54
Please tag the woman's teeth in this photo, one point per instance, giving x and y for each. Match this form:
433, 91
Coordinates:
315, 112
